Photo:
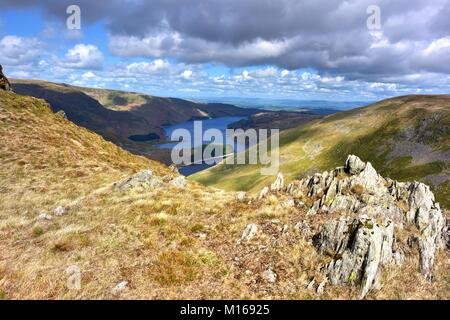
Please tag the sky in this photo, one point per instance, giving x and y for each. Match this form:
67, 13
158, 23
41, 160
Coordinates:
361, 50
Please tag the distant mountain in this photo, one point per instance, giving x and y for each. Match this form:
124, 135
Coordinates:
407, 138
119, 115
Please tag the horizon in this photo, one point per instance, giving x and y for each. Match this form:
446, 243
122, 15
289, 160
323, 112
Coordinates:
260, 51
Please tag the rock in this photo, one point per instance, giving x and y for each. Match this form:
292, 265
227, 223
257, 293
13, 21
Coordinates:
288, 203
359, 247
241, 196
60, 211
354, 165
304, 229
426, 214
249, 232
269, 276
61, 114
278, 184
179, 182
4, 82
264, 192
143, 180
119, 288
45, 216
321, 287
372, 208
311, 284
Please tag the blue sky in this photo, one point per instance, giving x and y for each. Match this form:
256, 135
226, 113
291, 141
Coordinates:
311, 50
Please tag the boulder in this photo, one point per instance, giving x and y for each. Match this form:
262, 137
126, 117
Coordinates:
354, 165
249, 232
179, 182
144, 180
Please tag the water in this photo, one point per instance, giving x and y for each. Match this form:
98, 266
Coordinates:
217, 123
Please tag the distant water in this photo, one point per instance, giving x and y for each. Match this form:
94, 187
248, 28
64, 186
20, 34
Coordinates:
216, 123
291, 104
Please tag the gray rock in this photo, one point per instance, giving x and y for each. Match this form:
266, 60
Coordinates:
249, 232
359, 247
119, 288
142, 180
179, 182
270, 276
60, 211
264, 192
278, 183
45, 216
354, 165
241, 196
61, 114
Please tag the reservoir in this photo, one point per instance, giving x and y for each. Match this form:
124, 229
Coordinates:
216, 123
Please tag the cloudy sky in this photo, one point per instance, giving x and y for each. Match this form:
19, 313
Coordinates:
293, 49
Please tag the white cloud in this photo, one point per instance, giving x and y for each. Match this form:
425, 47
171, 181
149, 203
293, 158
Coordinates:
83, 56
19, 50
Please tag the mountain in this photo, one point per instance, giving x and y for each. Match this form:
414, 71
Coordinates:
81, 218
128, 119
406, 138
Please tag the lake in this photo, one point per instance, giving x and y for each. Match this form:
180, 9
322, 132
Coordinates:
216, 123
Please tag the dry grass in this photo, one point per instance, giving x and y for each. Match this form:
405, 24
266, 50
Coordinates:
167, 243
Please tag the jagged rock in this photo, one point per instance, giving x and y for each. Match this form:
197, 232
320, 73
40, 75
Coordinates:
359, 247
60, 211
249, 232
426, 214
179, 182
354, 165
264, 192
372, 207
269, 276
278, 183
4, 82
311, 284
144, 180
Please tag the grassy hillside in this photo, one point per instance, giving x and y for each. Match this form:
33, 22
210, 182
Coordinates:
405, 138
167, 243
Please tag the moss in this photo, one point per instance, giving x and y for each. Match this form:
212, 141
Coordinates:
38, 231
442, 194
197, 227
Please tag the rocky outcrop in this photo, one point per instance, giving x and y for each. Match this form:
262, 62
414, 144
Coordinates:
144, 180
4, 82
359, 248
372, 210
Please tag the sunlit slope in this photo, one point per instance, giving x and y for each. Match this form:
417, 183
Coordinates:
406, 138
